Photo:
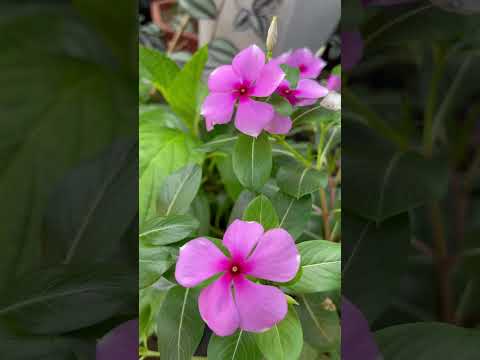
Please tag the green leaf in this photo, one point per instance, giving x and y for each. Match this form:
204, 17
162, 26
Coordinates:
428, 341
161, 114
221, 142
179, 325
293, 214
368, 247
161, 152
154, 261
52, 300
320, 262
262, 211
377, 186
284, 341
167, 229
240, 346
179, 190
252, 160
292, 75
320, 322
186, 92
200, 210
282, 106
240, 205
160, 69
229, 180
299, 181
200, 9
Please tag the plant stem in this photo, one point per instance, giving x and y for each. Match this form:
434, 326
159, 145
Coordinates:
290, 148
183, 24
149, 353
325, 214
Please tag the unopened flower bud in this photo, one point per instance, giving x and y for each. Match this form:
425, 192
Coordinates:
272, 35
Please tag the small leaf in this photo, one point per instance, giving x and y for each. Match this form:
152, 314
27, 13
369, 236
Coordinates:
200, 9
298, 181
179, 190
284, 340
252, 160
282, 106
262, 211
321, 267
292, 75
154, 261
179, 325
167, 229
293, 214
219, 143
240, 346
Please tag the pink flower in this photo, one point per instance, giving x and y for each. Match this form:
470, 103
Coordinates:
306, 93
310, 66
248, 76
233, 301
334, 83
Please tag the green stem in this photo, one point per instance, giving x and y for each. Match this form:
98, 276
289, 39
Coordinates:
294, 152
149, 353
321, 142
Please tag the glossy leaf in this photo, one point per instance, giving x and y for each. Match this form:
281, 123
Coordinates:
179, 325
200, 9
262, 211
293, 214
178, 190
220, 142
320, 262
240, 346
153, 262
229, 180
282, 106
284, 341
298, 181
160, 69
167, 229
240, 205
252, 161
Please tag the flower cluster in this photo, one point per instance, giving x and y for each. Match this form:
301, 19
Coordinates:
239, 88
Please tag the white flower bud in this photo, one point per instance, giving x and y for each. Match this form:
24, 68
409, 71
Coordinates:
272, 35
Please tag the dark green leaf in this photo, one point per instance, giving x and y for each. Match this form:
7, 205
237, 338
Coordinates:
220, 142
200, 209
167, 229
299, 181
229, 180
240, 346
252, 160
154, 261
320, 262
284, 341
179, 325
292, 75
282, 106
179, 190
262, 211
240, 205
293, 214
200, 9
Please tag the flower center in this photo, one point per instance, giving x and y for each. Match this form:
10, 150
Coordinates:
302, 68
287, 91
235, 269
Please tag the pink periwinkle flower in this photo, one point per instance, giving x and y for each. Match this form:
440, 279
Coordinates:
306, 93
247, 77
233, 301
309, 65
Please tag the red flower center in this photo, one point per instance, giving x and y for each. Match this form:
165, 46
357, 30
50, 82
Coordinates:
302, 68
235, 269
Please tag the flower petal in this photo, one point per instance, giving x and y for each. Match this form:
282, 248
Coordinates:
218, 308
249, 63
241, 237
252, 116
217, 109
275, 258
198, 261
305, 102
279, 125
310, 89
270, 77
223, 79
260, 306
334, 83
309, 64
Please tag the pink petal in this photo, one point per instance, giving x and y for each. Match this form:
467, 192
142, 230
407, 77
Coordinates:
305, 102
270, 77
223, 79
300, 57
198, 261
217, 109
249, 63
217, 307
309, 64
310, 89
279, 125
275, 258
241, 237
260, 306
334, 83
282, 59
252, 116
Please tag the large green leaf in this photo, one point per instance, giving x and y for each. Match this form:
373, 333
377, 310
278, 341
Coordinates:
240, 346
284, 340
62, 101
378, 185
321, 263
368, 247
262, 211
179, 325
153, 262
167, 229
179, 189
293, 214
299, 181
159, 68
52, 300
428, 341
252, 160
